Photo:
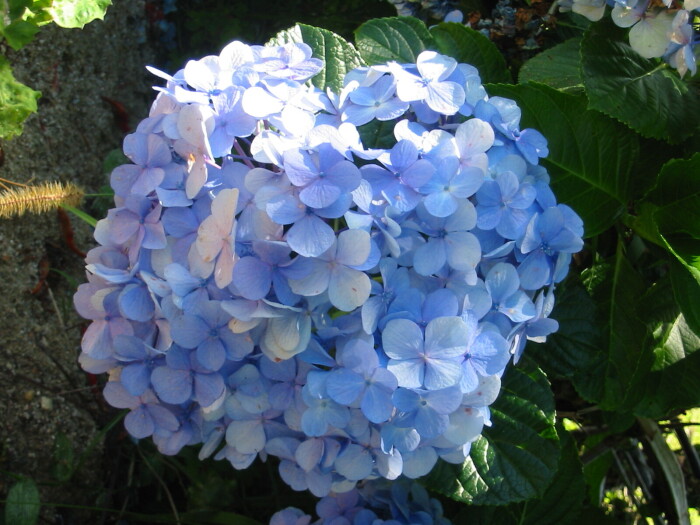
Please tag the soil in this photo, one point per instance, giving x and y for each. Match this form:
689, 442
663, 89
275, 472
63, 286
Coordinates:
93, 85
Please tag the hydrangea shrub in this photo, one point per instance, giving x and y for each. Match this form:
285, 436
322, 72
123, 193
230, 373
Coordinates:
338, 279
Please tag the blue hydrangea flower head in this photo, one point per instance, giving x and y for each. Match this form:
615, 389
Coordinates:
268, 284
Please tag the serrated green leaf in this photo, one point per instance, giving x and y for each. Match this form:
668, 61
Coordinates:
23, 503
590, 155
515, 459
673, 389
559, 505
564, 497
400, 38
17, 102
471, 47
677, 197
686, 291
627, 358
644, 94
571, 25
77, 13
558, 67
574, 351
671, 385
338, 55
657, 305
19, 33
668, 212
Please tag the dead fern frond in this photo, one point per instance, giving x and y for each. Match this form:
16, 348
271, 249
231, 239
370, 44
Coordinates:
38, 199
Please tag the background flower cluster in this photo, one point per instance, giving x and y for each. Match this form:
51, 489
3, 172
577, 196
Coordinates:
267, 285
657, 29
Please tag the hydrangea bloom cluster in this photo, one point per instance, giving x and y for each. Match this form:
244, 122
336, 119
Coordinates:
267, 285
377, 502
657, 29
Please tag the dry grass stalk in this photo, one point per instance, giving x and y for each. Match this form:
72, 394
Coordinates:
40, 198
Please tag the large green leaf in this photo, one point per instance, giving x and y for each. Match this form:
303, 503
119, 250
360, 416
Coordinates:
471, 47
17, 102
669, 215
686, 291
338, 55
627, 358
558, 67
23, 503
77, 13
674, 389
590, 155
516, 458
400, 38
574, 351
644, 94
559, 505
677, 196
674, 381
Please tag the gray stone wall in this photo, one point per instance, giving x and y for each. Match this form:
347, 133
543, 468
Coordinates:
42, 392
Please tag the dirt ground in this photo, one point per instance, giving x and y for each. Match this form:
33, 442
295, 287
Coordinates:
44, 393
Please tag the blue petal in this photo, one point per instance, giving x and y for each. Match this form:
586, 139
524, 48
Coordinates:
355, 463
172, 386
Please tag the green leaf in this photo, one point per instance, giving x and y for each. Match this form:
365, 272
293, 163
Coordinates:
595, 472
558, 67
686, 290
574, 351
672, 390
644, 94
17, 8
378, 134
657, 305
77, 13
399, 38
338, 55
677, 196
113, 159
515, 459
564, 496
23, 503
627, 358
471, 47
19, 33
674, 342
17, 102
669, 214
673, 383
590, 155
560, 503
